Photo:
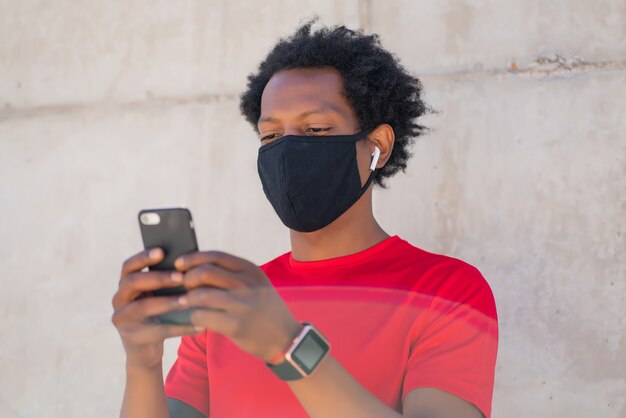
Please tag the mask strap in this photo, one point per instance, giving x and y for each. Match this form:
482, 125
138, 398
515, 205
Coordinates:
370, 179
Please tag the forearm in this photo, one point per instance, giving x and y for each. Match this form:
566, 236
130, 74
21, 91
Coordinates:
144, 395
332, 392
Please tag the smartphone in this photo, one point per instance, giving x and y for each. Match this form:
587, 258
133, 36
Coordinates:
172, 230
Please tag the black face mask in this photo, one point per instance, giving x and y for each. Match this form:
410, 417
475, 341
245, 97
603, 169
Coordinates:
311, 181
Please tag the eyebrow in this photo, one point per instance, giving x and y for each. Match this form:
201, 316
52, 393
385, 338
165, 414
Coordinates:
328, 109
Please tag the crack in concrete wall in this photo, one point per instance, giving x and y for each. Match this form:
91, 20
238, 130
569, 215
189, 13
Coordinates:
150, 102
543, 67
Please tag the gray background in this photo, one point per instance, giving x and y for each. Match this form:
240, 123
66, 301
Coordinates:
110, 107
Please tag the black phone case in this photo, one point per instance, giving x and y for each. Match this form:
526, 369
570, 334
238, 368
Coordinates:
176, 236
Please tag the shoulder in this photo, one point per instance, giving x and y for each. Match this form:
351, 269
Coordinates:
278, 264
448, 278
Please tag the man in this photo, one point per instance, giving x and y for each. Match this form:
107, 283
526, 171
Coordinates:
352, 322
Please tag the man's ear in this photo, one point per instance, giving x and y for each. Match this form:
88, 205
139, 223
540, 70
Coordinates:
382, 137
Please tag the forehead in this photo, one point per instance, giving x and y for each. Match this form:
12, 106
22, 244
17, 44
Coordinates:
303, 87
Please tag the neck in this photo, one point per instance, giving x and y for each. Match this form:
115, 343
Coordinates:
354, 231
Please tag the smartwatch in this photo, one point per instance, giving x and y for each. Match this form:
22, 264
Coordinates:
306, 352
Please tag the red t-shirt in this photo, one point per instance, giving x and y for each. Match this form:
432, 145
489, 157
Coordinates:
398, 318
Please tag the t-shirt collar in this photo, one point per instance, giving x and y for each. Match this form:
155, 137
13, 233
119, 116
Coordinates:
345, 260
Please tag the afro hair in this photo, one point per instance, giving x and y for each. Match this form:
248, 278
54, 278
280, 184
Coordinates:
379, 89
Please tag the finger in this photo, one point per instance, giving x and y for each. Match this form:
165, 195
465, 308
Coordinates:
135, 284
150, 333
212, 275
224, 260
141, 260
217, 321
142, 309
211, 298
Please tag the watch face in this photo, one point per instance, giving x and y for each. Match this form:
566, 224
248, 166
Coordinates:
309, 352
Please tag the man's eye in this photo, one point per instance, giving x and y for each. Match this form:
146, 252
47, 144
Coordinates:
268, 137
318, 130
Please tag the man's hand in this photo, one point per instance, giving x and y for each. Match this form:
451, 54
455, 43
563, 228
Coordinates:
236, 299
142, 338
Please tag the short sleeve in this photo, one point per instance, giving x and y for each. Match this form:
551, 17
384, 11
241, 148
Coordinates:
455, 344
188, 379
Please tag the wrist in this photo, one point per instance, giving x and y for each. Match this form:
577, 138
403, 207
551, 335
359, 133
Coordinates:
303, 356
277, 354
278, 358
143, 374
141, 367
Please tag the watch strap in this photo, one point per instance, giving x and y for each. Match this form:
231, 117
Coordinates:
285, 371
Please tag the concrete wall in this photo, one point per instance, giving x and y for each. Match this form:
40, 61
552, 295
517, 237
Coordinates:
109, 107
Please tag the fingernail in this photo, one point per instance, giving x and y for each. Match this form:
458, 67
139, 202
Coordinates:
154, 253
177, 276
182, 300
199, 329
178, 263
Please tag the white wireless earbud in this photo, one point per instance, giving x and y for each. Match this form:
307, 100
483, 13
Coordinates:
375, 156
